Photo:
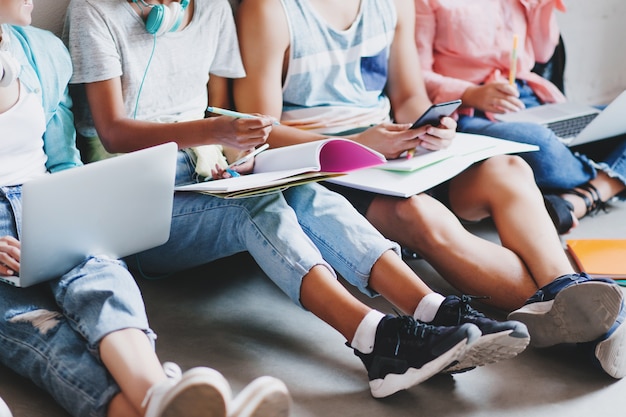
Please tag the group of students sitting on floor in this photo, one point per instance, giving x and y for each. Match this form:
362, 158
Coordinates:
142, 73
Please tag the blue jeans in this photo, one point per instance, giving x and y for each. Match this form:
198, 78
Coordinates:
556, 166
50, 332
286, 233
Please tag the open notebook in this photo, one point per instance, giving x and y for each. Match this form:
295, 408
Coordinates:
112, 208
279, 168
575, 124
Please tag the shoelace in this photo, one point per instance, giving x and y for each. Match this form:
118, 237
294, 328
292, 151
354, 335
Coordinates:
466, 310
410, 326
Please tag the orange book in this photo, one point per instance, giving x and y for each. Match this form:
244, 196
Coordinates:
599, 257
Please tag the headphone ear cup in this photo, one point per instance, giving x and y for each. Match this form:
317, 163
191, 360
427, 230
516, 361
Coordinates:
158, 19
177, 12
9, 69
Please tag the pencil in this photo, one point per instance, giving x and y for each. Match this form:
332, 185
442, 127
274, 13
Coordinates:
232, 113
513, 68
410, 153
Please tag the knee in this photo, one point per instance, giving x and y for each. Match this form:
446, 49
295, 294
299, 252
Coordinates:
425, 221
507, 170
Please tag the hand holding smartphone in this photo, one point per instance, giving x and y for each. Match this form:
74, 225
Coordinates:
435, 113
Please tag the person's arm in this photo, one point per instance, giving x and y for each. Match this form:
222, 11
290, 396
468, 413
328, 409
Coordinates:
120, 133
264, 43
491, 94
405, 83
543, 30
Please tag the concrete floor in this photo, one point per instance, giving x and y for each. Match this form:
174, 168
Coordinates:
229, 316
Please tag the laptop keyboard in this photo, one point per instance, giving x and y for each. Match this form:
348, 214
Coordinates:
571, 127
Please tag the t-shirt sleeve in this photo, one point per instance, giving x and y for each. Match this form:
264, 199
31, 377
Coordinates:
227, 61
86, 30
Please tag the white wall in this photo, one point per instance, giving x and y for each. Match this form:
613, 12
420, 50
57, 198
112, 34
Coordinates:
594, 32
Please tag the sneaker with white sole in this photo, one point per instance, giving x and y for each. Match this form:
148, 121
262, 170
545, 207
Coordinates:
408, 352
4, 409
499, 340
609, 351
199, 392
266, 396
573, 308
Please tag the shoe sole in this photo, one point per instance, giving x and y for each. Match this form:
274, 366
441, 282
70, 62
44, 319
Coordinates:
264, 397
393, 383
490, 348
201, 392
579, 313
611, 353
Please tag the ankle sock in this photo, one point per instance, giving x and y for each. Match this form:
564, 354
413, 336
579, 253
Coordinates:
365, 334
428, 306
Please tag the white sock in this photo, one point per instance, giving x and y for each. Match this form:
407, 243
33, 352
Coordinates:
427, 308
365, 334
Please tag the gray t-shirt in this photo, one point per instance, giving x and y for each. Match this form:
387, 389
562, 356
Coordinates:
108, 39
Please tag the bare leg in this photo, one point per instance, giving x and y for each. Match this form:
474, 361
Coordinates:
131, 360
329, 300
530, 255
395, 280
120, 407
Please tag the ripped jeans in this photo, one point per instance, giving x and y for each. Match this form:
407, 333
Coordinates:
50, 333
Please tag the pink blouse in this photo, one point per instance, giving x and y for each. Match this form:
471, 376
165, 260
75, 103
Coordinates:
463, 43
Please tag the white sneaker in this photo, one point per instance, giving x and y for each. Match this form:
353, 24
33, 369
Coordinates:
199, 392
264, 397
4, 409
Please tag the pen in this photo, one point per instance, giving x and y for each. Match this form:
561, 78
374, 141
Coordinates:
232, 113
513, 69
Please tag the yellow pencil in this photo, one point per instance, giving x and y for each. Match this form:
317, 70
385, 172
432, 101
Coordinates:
513, 68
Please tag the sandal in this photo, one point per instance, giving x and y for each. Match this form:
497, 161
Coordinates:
594, 204
561, 212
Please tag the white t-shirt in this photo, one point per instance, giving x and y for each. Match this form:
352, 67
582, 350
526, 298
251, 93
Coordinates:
21, 142
108, 39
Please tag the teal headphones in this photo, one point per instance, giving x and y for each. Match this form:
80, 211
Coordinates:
163, 19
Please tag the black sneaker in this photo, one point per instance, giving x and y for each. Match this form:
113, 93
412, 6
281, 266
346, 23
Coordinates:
500, 339
407, 352
573, 308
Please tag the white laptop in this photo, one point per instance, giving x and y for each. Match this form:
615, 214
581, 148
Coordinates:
114, 208
575, 124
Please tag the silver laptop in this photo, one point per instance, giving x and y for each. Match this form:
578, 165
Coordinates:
113, 208
575, 124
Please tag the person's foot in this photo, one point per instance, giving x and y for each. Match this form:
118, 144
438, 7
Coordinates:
407, 352
4, 409
199, 392
573, 308
608, 352
264, 397
500, 339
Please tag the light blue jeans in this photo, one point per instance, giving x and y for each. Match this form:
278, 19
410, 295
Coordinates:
286, 233
50, 332
556, 166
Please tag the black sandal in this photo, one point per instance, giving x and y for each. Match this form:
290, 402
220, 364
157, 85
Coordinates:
594, 204
561, 212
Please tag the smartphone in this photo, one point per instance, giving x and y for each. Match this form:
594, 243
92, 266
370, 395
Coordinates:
435, 113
